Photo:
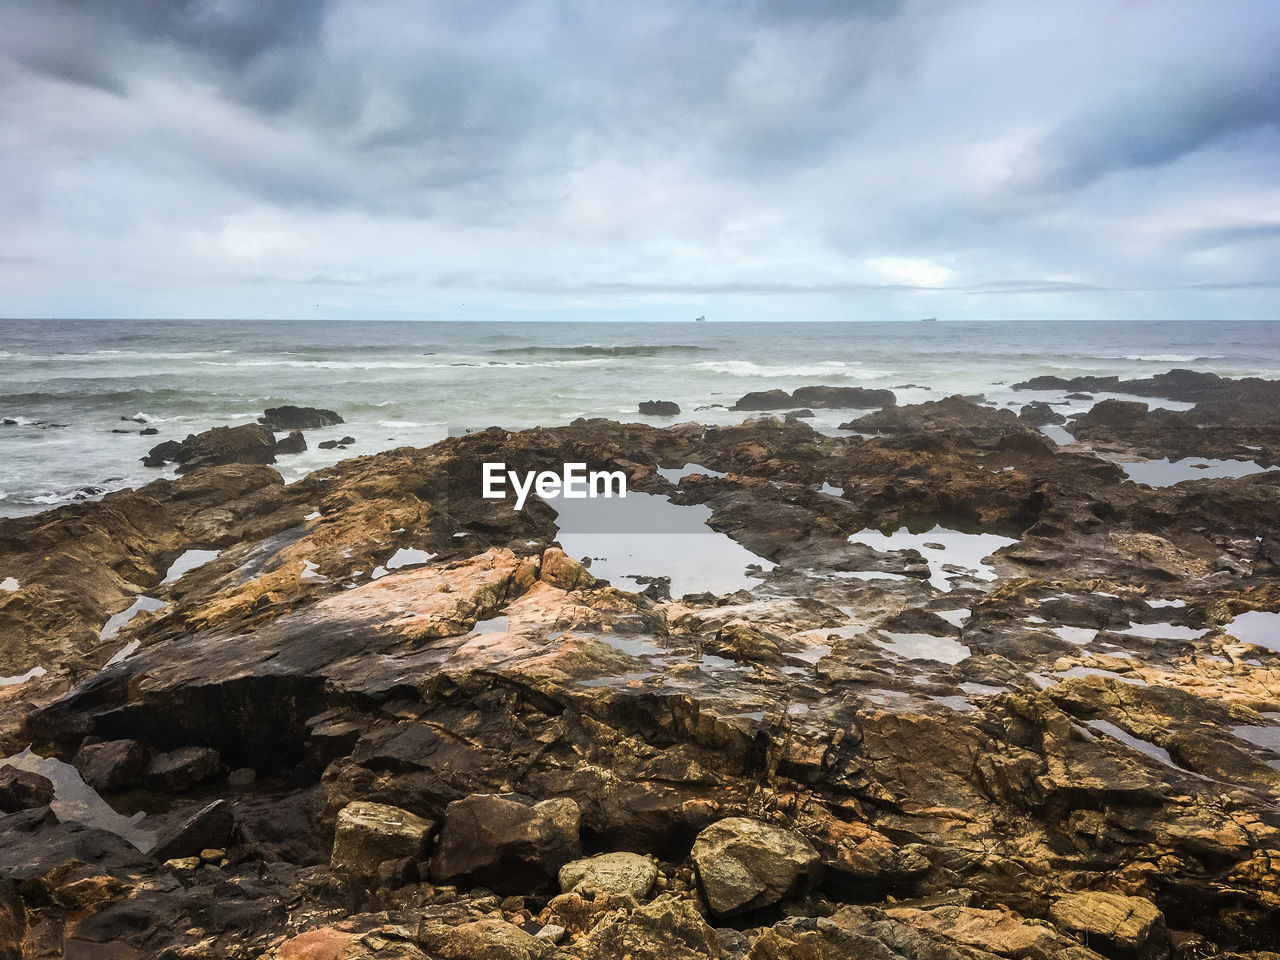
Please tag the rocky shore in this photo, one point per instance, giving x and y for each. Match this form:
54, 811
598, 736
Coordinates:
979, 695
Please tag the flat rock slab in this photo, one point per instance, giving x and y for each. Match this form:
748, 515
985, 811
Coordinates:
369, 834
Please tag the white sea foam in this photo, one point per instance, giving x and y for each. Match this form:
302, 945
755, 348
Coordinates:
823, 368
9, 584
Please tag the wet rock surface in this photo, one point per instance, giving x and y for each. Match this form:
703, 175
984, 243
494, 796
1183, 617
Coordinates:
389, 718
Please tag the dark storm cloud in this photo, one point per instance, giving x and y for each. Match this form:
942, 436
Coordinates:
875, 150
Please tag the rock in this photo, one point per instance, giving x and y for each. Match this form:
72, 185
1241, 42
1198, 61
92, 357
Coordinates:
744, 865
843, 397
298, 418
180, 770
505, 842
23, 790
13, 923
346, 441
148, 432
9, 422
328, 444
561, 570
163, 453
765, 400
112, 765
369, 834
482, 940
659, 408
1127, 928
242, 777
551, 933
740, 641
666, 929
210, 827
611, 875
293, 443
1038, 414
1114, 413
250, 443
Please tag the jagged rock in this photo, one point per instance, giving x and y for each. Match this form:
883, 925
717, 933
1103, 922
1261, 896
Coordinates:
180, 770
208, 828
23, 789
610, 874
659, 408
112, 765
740, 641
1128, 928
295, 442
666, 929
298, 418
482, 940
506, 843
1038, 414
561, 570
367, 834
13, 922
744, 865
250, 443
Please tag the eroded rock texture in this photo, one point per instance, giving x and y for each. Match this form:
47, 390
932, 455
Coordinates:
1067, 748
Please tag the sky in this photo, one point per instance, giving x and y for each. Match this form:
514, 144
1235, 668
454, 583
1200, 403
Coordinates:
756, 160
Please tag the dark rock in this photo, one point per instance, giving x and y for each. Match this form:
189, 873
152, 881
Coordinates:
328, 444
23, 789
507, 843
210, 827
659, 408
180, 770
13, 922
163, 453
293, 443
250, 443
844, 397
1038, 413
1114, 413
346, 441
9, 422
298, 418
112, 765
765, 400
148, 432
804, 414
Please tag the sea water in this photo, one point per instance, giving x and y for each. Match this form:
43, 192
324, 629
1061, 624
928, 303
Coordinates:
69, 383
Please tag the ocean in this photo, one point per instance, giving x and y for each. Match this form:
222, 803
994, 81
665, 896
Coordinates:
406, 383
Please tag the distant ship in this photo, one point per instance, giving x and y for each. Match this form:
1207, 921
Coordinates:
699, 319
928, 319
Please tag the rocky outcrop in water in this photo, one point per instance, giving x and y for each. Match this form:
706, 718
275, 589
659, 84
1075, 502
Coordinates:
289, 418
250, 443
815, 397
877, 747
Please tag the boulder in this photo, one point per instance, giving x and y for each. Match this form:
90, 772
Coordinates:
23, 789
765, 400
295, 442
482, 940
180, 770
250, 443
850, 397
1038, 413
561, 570
369, 834
211, 827
1114, 413
1128, 928
112, 765
659, 408
743, 865
610, 875
506, 842
290, 417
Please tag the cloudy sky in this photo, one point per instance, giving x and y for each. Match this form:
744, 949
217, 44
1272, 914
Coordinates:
764, 159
